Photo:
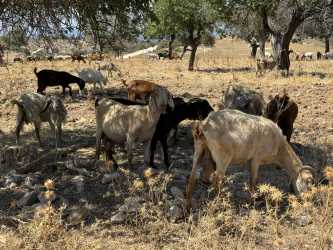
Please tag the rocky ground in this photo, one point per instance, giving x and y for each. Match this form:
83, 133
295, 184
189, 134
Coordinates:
140, 207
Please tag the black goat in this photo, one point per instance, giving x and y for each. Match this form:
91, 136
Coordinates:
51, 78
195, 109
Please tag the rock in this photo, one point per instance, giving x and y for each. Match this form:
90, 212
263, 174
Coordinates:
78, 215
107, 178
303, 220
78, 181
175, 213
177, 193
131, 205
32, 180
118, 218
13, 179
28, 199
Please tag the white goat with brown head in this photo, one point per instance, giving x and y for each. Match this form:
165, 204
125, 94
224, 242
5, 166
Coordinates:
122, 123
233, 137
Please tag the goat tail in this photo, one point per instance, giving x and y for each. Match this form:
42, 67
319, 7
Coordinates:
20, 107
35, 70
123, 81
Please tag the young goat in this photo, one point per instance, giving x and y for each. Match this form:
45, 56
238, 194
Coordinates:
122, 123
233, 137
36, 108
283, 111
48, 77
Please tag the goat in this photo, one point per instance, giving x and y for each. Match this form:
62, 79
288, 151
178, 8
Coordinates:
139, 89
93, 76
194, 109
264, 64
152, 55
232, 137
50, 58
163, 54
78, 58
121, 123
308, 55
328, 55
244, 99
283, 111
18, 59
62, 57
48, 77
319, 55
36, 108
109, 67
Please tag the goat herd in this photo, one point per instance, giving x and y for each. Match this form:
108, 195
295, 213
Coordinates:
245, 130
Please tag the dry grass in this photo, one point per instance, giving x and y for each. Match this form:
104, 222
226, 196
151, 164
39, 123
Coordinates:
269, 219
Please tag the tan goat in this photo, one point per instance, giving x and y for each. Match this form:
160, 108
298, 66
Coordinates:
264, 64
233, 137
130, 123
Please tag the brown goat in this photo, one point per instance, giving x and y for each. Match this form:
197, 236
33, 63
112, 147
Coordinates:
139, 89
283, 111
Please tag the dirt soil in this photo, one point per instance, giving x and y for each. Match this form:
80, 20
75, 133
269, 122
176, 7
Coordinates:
227, 63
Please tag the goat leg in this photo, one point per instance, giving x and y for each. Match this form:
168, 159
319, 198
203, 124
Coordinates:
165, 151
70, 90
147, 152
129, 150
19, 126
152, 151
37, 127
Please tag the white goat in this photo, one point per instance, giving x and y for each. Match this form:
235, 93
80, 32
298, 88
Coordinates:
36, 108
121, 123
328, 55
308, 55
93, 76
62, 57
268, 55
233, 137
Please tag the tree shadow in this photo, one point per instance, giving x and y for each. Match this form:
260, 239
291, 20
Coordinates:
315, 74
226, 70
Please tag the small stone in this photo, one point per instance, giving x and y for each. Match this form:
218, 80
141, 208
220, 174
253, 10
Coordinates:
28, 199
78, 181
107, 178
175, 213
78, 215
118, 218
177, 193
303, 220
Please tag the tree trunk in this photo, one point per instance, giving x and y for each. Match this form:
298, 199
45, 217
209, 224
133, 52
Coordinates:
327, 44
280, 45
172, 39
192, 57
254, 48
